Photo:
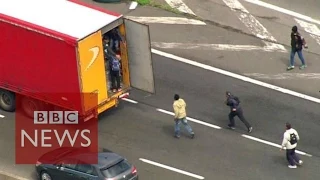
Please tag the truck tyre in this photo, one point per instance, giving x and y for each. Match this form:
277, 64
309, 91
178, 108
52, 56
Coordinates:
7, 100
29, 105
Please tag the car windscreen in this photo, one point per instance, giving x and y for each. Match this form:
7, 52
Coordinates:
116, 169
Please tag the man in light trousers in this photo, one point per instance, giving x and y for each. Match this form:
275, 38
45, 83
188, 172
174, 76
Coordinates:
180, 116
290, 140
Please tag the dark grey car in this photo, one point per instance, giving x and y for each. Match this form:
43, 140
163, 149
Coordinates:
111, 166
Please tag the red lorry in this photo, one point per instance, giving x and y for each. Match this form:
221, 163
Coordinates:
51, 52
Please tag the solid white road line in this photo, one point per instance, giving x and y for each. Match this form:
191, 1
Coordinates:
166, 20
251, 22
282, 10
222, 47
236, 76
312, 29
11, 176
2, 116
130, 100
180, 5
190, 119
273, 144
171, 168
282, 76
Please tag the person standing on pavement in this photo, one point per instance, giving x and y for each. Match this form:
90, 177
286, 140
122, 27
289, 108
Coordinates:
235, 110
290, 140
297, 43
180, 116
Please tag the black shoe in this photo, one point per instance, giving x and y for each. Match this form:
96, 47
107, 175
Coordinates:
231, 127
192, 135
250, 129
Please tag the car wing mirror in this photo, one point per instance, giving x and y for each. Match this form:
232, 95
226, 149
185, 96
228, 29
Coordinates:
58, 166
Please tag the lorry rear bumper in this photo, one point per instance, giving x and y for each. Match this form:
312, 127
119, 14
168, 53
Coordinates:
113, 101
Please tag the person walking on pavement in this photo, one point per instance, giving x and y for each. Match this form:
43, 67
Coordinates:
180, 116
290, 140
297, 43
235, 110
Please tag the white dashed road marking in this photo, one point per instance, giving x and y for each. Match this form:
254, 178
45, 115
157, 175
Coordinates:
220, 47
180, 5
129, 100
312, 29
166, 20
282, 76
2, 116
171, 168
252, 23
191, 119
218, 127
272, 144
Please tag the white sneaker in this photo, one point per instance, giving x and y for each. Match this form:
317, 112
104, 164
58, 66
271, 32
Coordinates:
292, 167
300, 162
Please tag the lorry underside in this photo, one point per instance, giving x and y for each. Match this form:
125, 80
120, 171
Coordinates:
8, 102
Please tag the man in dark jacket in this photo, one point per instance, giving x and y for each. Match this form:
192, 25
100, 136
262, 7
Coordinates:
297, 43
235, 110
115, 39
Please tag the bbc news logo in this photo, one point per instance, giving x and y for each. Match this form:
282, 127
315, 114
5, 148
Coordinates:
56, 118
52, 131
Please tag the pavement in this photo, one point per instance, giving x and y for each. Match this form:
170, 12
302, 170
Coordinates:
140, 131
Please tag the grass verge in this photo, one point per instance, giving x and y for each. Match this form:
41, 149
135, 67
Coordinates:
155, 4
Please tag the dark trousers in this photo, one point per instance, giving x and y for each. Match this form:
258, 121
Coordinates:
238, 113
115, 79
292, 157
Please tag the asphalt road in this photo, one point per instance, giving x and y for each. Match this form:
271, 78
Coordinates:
139, 131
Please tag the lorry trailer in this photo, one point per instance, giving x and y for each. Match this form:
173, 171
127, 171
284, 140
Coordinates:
52, 53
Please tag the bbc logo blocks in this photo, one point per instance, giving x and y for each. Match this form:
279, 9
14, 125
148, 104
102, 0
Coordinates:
56, 117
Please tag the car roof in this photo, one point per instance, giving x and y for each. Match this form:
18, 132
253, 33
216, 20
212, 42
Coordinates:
105, 159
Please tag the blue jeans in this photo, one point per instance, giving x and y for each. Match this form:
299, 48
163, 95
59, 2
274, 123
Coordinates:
293, 53
292, 157
183, 121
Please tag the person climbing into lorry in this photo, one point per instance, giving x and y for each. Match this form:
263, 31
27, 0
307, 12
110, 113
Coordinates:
107, 49
115, 38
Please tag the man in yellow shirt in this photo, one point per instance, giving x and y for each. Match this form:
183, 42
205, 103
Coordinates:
180, 116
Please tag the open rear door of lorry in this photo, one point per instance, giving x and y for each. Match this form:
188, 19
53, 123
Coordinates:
139, 55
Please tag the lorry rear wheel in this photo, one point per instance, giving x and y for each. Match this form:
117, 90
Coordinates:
29, 105
7, 100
